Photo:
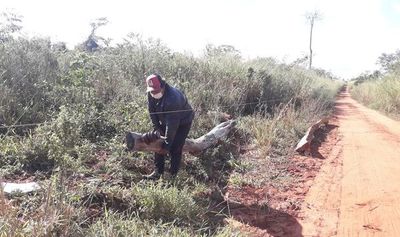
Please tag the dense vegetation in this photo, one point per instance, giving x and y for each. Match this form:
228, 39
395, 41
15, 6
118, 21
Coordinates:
381, 89
64, 113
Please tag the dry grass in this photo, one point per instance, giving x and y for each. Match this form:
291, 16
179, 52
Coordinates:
88, 100
381, 94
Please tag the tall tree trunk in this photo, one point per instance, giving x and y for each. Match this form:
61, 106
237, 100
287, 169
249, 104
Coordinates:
311, 31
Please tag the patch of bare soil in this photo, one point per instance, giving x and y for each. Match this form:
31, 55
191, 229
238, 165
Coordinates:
273, 210
358, 193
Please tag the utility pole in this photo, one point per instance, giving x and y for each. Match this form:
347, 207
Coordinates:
311, 18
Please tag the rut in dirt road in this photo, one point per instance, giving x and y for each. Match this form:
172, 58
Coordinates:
357, 192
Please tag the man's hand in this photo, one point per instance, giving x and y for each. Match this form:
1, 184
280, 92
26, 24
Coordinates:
159, 131
150, 137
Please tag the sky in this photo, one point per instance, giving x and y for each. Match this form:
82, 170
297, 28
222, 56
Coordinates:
347, 41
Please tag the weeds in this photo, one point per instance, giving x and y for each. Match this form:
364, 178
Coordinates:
382, 94
160, 202
84, 102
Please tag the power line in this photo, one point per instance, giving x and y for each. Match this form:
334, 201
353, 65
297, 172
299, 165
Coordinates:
227, 106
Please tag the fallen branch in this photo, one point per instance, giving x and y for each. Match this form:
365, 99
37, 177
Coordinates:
134, 141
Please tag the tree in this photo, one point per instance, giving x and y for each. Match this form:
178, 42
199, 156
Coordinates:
311, 18
92, 42
367, 76
301, 61
221, 50
9, 24
389, 62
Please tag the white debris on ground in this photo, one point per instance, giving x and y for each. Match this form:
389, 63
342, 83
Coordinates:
10, 188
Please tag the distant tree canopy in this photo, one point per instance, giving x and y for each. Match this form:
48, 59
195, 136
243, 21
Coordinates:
300, 61
367, 77
9, 24
93, 40
324, 73
221, 50
390, 62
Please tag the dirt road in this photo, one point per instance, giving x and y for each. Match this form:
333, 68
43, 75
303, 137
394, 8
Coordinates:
357, 191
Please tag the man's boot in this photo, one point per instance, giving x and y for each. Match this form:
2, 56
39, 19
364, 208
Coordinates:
153, 176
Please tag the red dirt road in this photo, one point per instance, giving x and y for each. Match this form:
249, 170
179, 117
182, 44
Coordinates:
357, 191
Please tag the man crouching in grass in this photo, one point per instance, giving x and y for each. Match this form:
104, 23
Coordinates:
172, 116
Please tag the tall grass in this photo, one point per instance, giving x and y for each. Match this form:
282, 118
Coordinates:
381, 94
83, 104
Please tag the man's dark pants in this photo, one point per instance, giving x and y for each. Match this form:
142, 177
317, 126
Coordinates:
176, 150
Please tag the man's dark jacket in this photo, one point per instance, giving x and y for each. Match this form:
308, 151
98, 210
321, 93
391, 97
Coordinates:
172, 110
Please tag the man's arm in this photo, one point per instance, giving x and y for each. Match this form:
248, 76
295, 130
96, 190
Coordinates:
172, 121
171, 129
153, 116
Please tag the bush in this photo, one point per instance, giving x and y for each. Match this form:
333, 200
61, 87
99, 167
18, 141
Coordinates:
117, 225
167, 203
28, 72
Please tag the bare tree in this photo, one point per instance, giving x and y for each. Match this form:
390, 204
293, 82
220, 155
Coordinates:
311, 18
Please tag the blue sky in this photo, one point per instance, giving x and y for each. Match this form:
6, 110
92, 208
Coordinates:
347, 41
391, 11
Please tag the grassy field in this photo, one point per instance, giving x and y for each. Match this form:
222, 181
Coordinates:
380, 94
78, 106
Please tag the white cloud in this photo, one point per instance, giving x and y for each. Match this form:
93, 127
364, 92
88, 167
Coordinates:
348, 40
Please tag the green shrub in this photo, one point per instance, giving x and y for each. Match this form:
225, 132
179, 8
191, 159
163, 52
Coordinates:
28, 71
167, 203
117, 225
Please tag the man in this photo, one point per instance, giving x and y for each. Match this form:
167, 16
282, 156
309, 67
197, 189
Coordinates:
172, 117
